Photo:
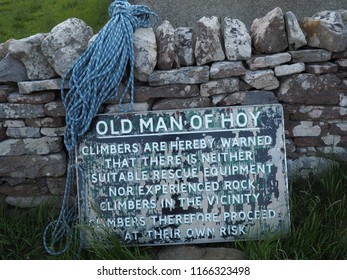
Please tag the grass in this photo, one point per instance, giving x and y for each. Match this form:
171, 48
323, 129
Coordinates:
23, 18
318, 228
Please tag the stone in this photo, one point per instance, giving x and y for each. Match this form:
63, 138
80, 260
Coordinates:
145, 53
23, 132
56, 186
48, 122
306, 129
28, 51
33, 166
296, 38
317, 113
261, 79
21, 111
269, 33
136, 107
12, 70
29, 202
325, 30
219, 87
44, 85
249, 98
321, 68
227, 69
55, 109
184, 75
237, 41
344, 84
37, 98
145, 93
339, 55
310, 89
166, 54
190, 252
314, 55
25, 189
342, 63
184, 46
268, 61
208, 41
4, 48
66, 43
53, 131
338, 127
305, 166
14, 123
31, 146
289, 69
181, 103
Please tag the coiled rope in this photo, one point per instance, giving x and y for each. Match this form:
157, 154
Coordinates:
94, 79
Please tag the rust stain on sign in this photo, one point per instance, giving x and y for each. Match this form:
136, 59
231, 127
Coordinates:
187, 176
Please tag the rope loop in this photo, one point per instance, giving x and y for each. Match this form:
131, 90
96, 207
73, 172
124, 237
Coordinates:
93, 79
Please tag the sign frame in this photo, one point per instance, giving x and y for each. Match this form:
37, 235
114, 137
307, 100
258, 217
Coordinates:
191, 209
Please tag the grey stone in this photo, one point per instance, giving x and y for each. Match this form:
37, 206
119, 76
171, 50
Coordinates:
4, 48
321, 68
66, 43
52, 131
46, 122
33, 166
37, 98
31, 146
306, 166
14, 123
249, 98
23, 132
12, 70
199, 253
216, 99
184, 75
27, 188
29, 202
219, 87
28, 51
268, 33
182, 103
145, 93
261, 79
339, 55
325, 30
310, 89
56, 186
342, 63
227, 69
296, 38
145, 52
44, 85
136, 107
268, 61
289, 69
314, 55
237, 41
344, 84
55, 109
166, 54
21, 111
184, 46
208, 41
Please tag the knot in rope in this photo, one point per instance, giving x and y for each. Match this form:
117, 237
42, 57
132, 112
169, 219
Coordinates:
94, 79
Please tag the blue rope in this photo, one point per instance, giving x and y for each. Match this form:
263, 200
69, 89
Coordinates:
94, 79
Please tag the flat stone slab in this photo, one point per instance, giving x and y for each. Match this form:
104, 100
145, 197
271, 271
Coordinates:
43, 85
199, 253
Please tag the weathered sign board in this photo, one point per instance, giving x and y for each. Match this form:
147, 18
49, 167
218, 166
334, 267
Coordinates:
187, 176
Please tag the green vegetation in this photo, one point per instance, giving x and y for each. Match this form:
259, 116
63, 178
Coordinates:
23, 18
318, 228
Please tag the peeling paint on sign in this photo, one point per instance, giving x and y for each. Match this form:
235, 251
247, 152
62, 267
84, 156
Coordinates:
187, 176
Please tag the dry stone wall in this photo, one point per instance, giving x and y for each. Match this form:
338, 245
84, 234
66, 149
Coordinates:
301, 64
